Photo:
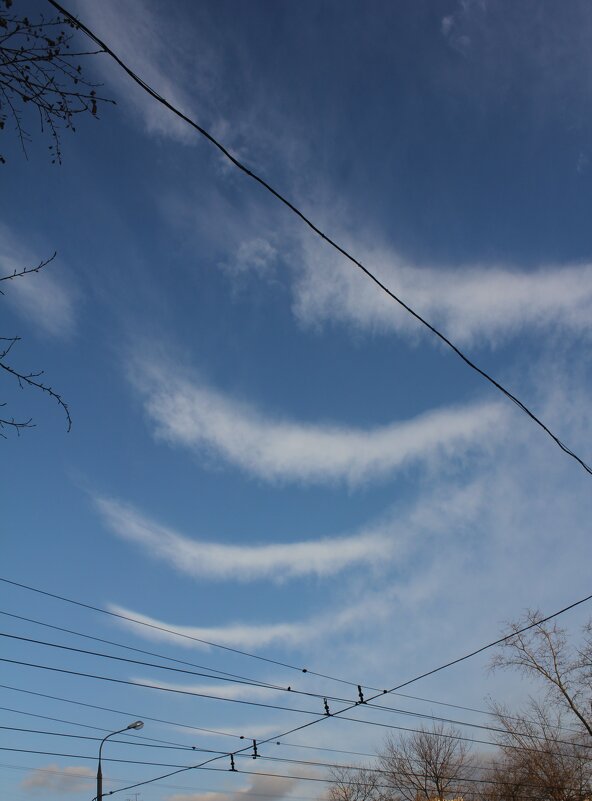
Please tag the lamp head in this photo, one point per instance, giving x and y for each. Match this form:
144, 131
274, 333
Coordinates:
137, 724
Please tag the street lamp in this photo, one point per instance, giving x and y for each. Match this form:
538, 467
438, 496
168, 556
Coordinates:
137, 724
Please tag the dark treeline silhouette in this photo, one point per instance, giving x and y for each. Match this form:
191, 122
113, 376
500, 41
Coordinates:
41, 84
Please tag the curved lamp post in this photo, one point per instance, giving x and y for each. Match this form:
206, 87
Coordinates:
137, 724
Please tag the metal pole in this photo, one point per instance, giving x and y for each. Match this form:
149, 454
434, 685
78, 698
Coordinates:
99, 782
137, 725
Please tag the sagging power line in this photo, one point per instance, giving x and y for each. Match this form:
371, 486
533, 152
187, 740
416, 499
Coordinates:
318, 231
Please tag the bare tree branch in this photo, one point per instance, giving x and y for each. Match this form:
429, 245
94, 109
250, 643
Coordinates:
425, 766
40, 70
537, 762
544, 652
26, 270
31, 380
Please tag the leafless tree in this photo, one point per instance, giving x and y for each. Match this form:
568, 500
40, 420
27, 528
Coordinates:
565, 670
40, 71
354, 784
541, 757
546, 751
427, 765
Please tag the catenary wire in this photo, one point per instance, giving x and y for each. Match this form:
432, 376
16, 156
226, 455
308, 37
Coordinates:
124, 713
241, 681
143, 716
449, 664
257, 703
30, 768
308, 671
268, 757
431, 672
472, 780
319, 232
148, 686
390, 727
132, 648
88, 726
229, 734
208, 696
183, 636
131, 741
260, 682
380, 707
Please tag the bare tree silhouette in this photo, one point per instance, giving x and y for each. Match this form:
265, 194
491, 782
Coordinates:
40, 75
540, 757
427, 765
565, 671
40, 72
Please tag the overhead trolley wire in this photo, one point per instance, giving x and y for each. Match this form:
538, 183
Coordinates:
380, 693
390, 727
340, 712
30, 768
242, 736
382, 771
88, 726
380, 707
132, 648
318, 231
184, 636
263, 683
131, 741
123, 712
146, 685
239, 681
177, 747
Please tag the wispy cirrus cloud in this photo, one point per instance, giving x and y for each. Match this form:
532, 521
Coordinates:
193, 415
54, 779
420, 528
278, 561
256, 255
482, 304
476, 304
229, 691
43, 299
136, 32
249, 635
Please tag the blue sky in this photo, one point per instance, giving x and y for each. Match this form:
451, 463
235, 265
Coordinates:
265, 451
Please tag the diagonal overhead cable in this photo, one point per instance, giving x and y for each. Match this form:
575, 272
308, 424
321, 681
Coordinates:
315, 228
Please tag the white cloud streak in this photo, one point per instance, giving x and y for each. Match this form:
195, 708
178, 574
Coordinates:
195, 416
250, 636
475, 305
229, 691
140, 37
200, 559
423, 526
